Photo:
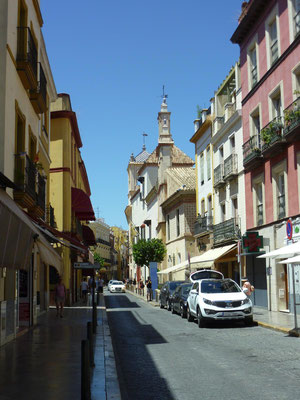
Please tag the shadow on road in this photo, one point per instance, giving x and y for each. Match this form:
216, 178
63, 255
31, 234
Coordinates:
119, 301
138, 373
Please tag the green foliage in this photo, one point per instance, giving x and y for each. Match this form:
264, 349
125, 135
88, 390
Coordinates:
273, 129
98, 259
146, 251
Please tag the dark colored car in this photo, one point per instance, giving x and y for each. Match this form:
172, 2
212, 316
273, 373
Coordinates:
166, 291
179, 299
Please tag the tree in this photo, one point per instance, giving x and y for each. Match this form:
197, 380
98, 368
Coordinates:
145, 251
98, 259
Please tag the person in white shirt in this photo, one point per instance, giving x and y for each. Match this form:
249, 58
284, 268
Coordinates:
84, 289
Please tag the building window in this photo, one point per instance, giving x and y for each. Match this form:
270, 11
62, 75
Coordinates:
174, 261
223, 212
208, 164
235, 209
296, 16
221, 155
253, 66
168, 227
202, 208
178, 258
259, 204
276, 106
177, 223
209, 206
202, 168
281, 212
255, 127
169, 261
273, 41
232, 144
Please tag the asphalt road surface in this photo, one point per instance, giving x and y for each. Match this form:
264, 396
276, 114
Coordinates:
163, 357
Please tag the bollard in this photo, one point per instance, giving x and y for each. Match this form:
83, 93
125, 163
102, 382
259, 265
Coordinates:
91, 343
94, 318
85, 371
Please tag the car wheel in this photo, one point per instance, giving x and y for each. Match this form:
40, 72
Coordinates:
168, 305
200, 319
172, 308
189, 317
182, 313
160, 304
249, 321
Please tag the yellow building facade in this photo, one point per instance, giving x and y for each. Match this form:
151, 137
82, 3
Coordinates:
70, 192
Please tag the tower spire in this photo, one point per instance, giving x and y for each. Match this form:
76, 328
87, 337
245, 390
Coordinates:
164, 121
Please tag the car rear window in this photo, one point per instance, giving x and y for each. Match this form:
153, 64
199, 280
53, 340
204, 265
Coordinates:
219, 286
173, 285
186, 289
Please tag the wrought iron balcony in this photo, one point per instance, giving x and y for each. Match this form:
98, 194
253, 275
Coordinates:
281, 206
272, 138
203, 224
292, 121
41, 193
226, 231
252, 156
219, 176
260, 214
38, 97
50, 219
25, 179
26, 58
231, 167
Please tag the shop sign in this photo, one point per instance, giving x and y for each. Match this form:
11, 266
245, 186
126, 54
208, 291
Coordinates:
252, 242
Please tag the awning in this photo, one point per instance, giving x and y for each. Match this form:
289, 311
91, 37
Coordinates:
283, 252
174, 268
88, 236
82, 206
292, 260
17, 233
212, 255
49, 256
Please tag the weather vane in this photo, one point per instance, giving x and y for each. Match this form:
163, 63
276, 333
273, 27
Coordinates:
164, 95
144, 135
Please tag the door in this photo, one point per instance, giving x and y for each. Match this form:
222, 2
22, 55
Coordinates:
194, 296
256, 273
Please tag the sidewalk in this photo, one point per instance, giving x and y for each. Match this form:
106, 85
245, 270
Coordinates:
46, 361
279, 321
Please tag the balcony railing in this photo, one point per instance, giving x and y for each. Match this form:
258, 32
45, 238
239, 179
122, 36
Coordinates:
292, 121
50, 219
203, 224
219, 176
226, 231
25, 174
272, 137
281, 206
260, 214
252, 151
27, 58
231, 166
41, 194
38, 97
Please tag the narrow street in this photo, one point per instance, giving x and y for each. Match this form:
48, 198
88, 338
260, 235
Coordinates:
161, 356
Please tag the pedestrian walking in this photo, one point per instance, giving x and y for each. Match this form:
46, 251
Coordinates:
100, 285
247, 286
84, 286
149, 289
142, 287
60, 297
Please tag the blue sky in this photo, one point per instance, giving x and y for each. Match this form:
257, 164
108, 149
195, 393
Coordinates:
114, 56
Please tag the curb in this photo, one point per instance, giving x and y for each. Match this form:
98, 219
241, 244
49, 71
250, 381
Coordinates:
153, 303
290, 332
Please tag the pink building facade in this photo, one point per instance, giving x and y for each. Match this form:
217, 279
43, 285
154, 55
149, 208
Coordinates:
269, 35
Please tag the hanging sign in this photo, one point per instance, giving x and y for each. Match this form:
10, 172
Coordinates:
252, 242
289, 229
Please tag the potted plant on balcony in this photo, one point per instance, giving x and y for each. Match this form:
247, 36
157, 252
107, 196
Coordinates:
271, 131
292, 116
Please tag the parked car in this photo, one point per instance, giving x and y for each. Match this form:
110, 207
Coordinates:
218, 299
117, 286
179, 299
165, 292
110, 282
205, 274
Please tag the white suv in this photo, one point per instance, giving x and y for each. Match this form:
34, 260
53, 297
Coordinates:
214, 299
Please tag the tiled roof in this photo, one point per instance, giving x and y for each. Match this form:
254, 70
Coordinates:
142, 156
178, 157
185, 176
